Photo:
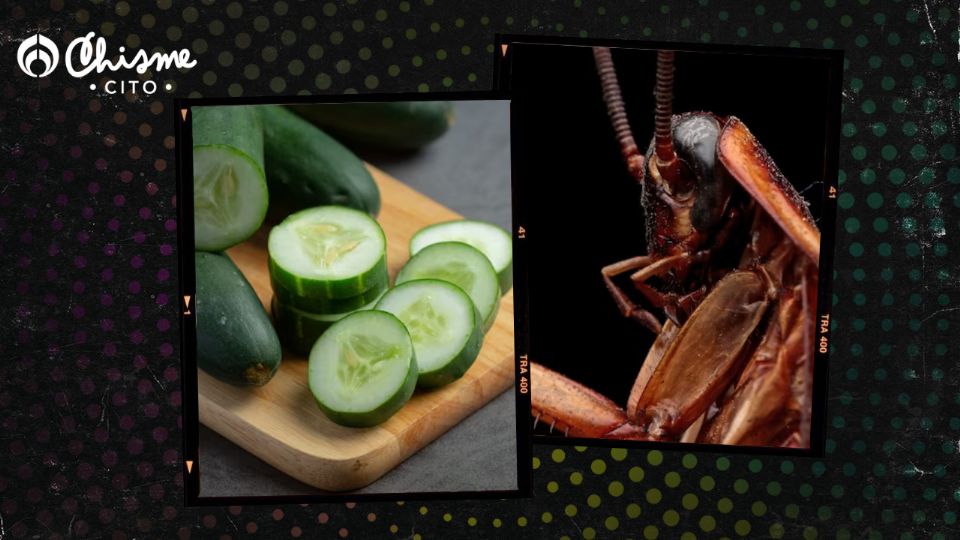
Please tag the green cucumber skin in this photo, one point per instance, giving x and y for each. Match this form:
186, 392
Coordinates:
238, 130
456, 368
402, 125
382, 413
488, 322
245, 349
296, 329
322, 305
505, 277
376, 278
306, 167
238, 127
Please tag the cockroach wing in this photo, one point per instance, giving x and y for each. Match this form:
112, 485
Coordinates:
763, 410
706, 355
660, 345
748, 162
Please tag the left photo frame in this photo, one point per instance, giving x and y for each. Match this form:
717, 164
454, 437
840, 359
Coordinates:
347, 306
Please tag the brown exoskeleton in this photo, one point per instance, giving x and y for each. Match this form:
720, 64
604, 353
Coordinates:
732, 262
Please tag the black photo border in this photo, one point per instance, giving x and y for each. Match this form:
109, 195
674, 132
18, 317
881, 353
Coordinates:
506, 42
187, 287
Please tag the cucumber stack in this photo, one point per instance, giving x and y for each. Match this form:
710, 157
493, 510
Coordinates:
426, 331
325, 263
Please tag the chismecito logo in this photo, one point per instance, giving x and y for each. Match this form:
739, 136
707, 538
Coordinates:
38, 48
38, 56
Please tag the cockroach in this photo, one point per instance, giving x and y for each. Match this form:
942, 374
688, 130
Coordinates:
729, 285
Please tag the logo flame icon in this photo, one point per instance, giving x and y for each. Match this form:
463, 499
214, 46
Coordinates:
38, 48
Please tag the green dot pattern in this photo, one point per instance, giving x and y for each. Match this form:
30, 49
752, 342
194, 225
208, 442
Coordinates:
891, 421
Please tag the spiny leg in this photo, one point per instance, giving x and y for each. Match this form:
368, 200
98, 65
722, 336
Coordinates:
627, 306
648, 266
570, 406
658, 269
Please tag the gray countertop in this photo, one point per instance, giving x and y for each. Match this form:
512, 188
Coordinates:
467, 170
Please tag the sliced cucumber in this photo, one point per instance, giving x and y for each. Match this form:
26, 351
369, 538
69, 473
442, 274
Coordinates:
328, 252
326, 305
299, 329
363, 369
464, 266
445, 327
493, 241
229, 187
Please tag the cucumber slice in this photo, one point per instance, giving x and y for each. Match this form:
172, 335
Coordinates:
298, 329
229, 186
464, 266
493, 241
323, 306
328, 252
444, 325
363, 369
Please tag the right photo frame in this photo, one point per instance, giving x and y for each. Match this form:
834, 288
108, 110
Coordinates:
677, 208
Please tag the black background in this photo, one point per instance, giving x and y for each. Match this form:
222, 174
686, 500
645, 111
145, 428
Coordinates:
582, 207
90, 386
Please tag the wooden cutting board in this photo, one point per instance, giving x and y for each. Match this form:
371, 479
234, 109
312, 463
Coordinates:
280, 422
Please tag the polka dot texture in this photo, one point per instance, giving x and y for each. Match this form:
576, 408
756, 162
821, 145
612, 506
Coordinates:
91, 395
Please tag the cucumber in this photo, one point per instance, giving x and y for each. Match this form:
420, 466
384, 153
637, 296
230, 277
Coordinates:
444, 325
398, 125
495, 242
298, 329
230, 195
363, 369
326, 305
235, 341
464, 266
328, 252
306, 167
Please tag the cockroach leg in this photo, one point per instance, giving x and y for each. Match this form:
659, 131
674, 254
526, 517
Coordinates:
662, 266
627, 306
617, 268
688, 302
678, 263
578, 410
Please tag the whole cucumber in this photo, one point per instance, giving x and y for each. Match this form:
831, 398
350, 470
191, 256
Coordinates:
236, 342
399, 125
306, 167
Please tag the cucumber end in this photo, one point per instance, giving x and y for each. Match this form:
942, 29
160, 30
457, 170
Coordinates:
259, 374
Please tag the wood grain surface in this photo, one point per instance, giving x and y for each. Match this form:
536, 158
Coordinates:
280, 422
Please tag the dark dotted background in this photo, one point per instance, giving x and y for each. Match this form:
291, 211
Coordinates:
89, 371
